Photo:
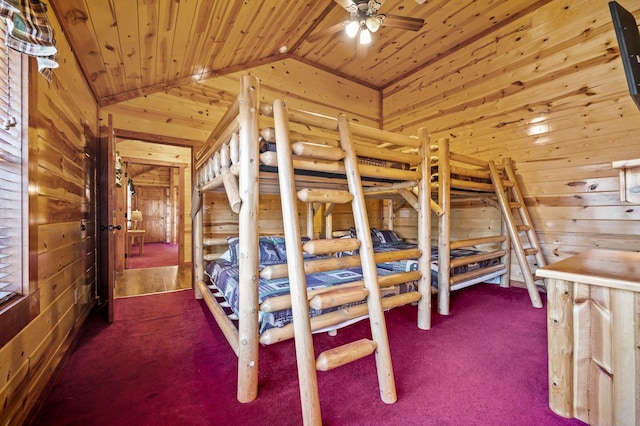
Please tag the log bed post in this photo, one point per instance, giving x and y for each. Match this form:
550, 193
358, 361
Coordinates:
198, 252
444, 235
328, 220
384, 366
505, 279
424, 233
310, 216
248, 240
305, 356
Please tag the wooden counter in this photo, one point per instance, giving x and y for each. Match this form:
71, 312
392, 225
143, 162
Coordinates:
593, 321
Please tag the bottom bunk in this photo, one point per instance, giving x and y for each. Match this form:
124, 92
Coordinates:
336, 296
328, 289
467, 265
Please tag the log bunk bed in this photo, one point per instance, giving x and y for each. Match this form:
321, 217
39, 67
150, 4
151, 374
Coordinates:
324, 160
458, 178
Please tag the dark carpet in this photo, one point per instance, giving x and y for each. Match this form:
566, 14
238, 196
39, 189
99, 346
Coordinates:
165, 362
154, 255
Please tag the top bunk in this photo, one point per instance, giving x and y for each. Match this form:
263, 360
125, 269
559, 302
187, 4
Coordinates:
388, 162
463, 176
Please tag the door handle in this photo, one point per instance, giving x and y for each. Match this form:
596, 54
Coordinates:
110, 227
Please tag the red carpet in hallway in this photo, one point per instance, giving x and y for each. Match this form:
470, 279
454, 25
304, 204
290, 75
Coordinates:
165, 362
153, 256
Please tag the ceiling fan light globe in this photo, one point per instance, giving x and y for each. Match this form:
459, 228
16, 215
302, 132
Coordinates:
373, 23
365, 36
352, 28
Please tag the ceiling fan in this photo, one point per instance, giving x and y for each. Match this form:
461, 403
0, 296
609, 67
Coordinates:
364, 19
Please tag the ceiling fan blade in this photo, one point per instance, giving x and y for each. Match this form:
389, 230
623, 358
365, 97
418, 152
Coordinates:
345, 3
325, 32
404, 22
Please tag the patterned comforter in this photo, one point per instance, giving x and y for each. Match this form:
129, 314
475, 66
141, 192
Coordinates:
224, 278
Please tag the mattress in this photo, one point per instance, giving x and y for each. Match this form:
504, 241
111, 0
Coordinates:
224, 279
412, 264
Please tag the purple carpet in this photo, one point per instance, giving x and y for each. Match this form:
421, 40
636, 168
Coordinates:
154, 255
164, 361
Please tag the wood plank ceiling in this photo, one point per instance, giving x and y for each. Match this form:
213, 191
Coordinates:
128, 49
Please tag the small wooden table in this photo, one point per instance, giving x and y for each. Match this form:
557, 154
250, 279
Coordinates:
593, 321
132, 234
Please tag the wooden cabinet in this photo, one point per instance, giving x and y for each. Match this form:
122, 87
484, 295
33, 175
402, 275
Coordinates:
593, 323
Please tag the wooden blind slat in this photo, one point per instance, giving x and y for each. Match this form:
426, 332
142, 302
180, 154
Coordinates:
11, 171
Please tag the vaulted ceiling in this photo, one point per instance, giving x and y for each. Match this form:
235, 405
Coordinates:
129, 48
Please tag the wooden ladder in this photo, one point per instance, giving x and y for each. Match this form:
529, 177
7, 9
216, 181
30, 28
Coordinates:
523, 236
352, 351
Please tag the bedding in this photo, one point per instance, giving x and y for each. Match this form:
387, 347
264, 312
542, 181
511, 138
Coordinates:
224, 278
412, 264
385, 240
224, 272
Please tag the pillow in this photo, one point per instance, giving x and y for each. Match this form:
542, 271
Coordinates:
226, 256
267, 253
387, 236
375, 238
282, 249
353, 232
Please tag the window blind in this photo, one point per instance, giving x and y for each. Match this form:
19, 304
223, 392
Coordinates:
11, 174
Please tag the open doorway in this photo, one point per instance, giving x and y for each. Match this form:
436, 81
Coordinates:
160, 192
154, 200
152, 211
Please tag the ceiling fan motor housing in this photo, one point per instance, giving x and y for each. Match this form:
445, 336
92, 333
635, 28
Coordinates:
365, 13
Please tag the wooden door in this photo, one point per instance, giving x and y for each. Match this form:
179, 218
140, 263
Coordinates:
152, 202
108, 221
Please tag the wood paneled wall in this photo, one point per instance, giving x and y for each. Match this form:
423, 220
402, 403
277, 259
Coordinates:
220, 221
191, 112
548, 91
62, 211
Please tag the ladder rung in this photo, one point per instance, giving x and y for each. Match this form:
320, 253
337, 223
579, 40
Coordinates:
515, 205
507, 184
278, 303
309, 195
333, 245
530, 251
338, 297
345, 354
523, 228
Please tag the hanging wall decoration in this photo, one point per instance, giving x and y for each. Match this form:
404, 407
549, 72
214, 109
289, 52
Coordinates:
119, 170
